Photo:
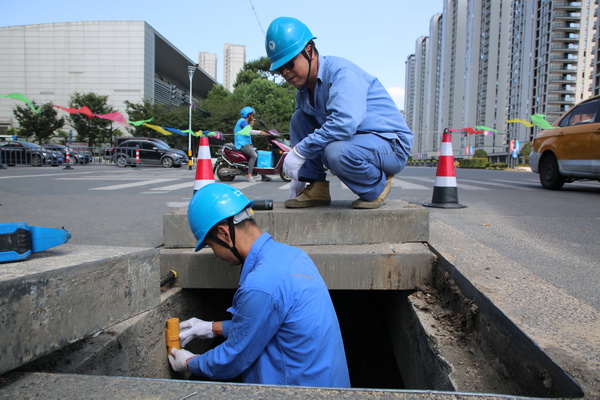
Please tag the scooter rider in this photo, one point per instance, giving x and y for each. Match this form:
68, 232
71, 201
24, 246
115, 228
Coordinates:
284, 329
243, 140
344, 119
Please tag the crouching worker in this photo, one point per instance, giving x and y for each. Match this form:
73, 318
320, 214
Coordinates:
284, 329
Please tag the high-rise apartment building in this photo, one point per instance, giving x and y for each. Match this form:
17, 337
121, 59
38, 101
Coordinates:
234, 57
409, 91
208, 62
500, 60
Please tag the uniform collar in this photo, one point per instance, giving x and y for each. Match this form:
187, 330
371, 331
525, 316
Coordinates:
252, 257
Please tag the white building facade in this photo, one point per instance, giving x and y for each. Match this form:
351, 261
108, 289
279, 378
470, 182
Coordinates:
124, 60
234, 58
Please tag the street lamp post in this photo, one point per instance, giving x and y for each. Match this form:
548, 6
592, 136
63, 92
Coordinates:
191, 70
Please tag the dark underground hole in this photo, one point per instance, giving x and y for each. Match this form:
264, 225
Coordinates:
386, 346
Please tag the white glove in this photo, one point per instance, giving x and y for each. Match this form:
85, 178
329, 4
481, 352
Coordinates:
179, 359
295, 188
195, 328
292, 164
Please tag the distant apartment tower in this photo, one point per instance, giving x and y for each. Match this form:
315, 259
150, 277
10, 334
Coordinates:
431, 126
234, 57
208, 62
501, 60
553, 60
420, 82
409, 91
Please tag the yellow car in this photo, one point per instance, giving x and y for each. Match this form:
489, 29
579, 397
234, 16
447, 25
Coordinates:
571, 150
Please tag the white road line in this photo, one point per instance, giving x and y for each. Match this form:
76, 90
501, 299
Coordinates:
407, 185
178, 186
43, 175
131, 184
104, 178
459, 184
503, 185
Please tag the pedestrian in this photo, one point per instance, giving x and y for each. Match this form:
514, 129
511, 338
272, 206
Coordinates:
344, 120
284, 329
243, 140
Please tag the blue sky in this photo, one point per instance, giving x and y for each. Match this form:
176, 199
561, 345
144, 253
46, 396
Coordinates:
377, 35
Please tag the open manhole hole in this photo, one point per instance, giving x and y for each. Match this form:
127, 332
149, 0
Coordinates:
429, 339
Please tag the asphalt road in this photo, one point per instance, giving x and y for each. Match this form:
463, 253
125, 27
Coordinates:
554, 234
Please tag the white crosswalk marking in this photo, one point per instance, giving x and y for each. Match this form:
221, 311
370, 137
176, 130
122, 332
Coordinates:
459, 184
175, 187
132, 184
407, 185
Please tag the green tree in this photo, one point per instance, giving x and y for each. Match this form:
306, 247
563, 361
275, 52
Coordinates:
254, 70
480, 154
94, 131
39, 125
174, 117
274, 104
526, 151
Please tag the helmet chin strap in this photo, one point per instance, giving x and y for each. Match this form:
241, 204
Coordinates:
233, 249
309, 59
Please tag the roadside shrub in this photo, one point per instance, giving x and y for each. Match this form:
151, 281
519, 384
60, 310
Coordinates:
474, 163
498, 166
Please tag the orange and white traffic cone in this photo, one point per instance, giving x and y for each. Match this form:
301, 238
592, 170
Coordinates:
445, 192
204, 172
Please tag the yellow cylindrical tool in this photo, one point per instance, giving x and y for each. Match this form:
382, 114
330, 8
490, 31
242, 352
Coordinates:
172, 334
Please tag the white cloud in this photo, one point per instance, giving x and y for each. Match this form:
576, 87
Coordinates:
397, 94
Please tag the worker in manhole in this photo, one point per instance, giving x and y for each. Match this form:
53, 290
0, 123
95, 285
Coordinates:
345, 120
284, 329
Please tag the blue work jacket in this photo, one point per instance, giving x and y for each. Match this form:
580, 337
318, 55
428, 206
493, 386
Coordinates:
284, 329
347, 100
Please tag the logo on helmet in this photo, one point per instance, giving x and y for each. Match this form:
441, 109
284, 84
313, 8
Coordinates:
272, 45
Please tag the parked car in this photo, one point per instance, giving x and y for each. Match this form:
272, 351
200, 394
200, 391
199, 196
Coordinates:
151, 152
109, 154
571, 151
77, 157
14, 153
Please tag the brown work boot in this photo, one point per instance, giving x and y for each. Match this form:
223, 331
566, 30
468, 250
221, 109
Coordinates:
315, 194
379, 201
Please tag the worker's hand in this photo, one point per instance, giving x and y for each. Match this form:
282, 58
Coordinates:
295, 188
179, 359
195, 328
292, 164
264, 133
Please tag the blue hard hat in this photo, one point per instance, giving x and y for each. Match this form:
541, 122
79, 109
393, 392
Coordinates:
212, 204
286, 38
245, 111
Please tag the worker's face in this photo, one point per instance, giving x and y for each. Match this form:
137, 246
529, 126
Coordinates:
295, 71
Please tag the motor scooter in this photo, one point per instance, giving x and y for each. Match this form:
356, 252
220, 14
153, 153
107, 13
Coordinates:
232, 162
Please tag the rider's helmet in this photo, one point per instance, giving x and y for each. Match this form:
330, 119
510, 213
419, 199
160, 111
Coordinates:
286, 38
246, 111
214, 203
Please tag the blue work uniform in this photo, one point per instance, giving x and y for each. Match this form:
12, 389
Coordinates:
284, 329
238, 139
354, 128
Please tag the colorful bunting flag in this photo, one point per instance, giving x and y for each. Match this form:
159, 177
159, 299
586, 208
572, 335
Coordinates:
139, 123
158, 129
21, 97
114, 116
486, 129
540, 120
85, 110
177, 131
520, 121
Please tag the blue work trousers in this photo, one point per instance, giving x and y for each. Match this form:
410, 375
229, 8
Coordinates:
362, 162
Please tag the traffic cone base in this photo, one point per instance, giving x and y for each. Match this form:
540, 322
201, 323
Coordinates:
204, 172
445, 192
